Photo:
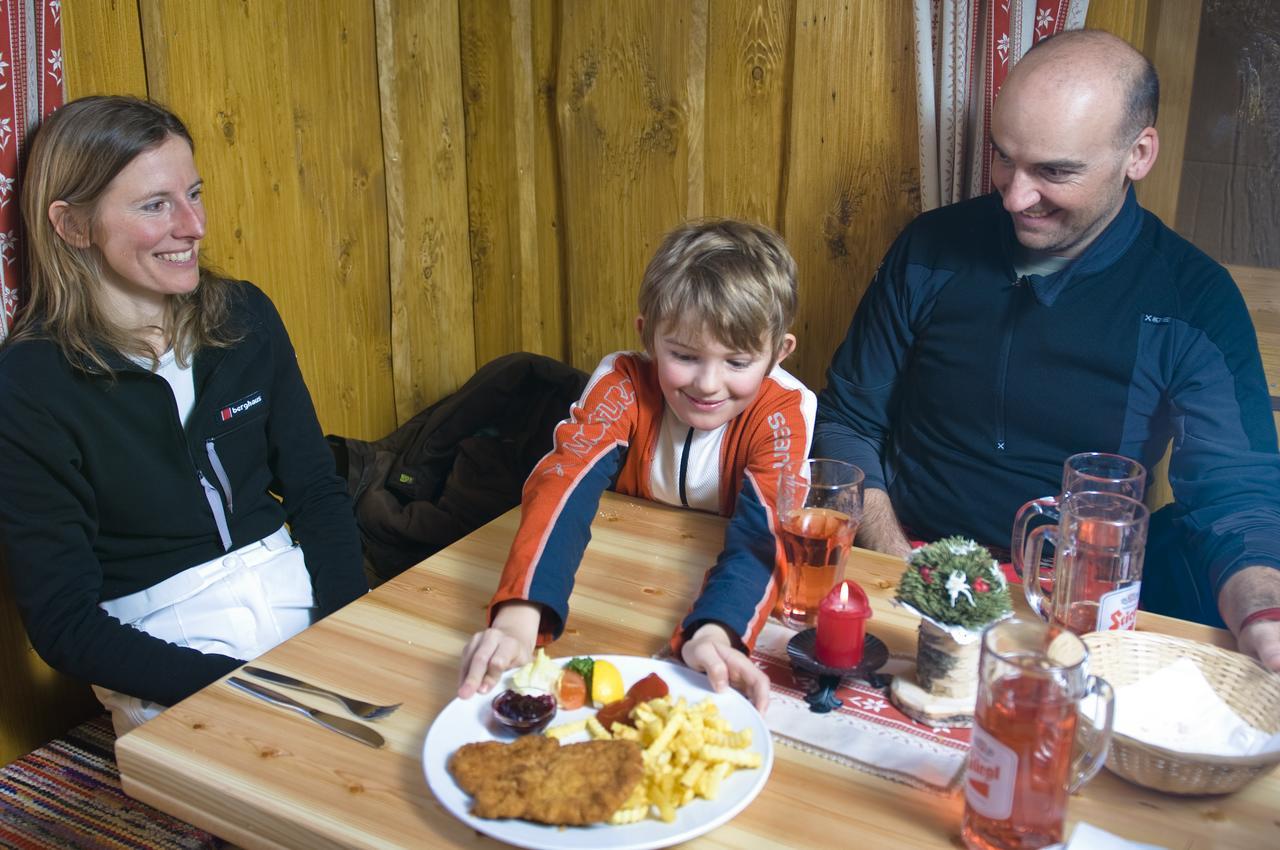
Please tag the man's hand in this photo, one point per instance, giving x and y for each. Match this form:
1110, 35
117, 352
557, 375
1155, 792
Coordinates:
711, 651
880, 529
507, 643
1253, 589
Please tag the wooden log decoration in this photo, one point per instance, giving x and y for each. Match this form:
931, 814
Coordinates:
944, 666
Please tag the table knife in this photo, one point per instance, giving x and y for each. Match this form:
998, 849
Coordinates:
341, 725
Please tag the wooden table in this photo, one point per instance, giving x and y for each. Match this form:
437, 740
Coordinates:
263, 777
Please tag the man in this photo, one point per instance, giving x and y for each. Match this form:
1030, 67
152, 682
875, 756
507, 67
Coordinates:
1005, 333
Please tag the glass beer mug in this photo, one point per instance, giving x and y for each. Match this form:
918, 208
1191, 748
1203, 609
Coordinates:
1033, 689
1096, 471
1099, 544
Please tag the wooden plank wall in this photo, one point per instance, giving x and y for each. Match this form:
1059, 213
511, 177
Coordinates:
423, 185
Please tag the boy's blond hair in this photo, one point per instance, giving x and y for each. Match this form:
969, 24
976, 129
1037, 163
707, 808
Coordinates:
732, 279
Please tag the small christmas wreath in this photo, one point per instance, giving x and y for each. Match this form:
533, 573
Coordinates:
955, 582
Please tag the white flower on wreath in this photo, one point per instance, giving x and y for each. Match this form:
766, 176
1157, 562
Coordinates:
956, 585
999, 574
964, 547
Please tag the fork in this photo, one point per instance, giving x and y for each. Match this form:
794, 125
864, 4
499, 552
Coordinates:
360, 708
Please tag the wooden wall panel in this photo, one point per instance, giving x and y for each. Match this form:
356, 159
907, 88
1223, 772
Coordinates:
499, 101
283, 106
1125, 18
852, 178
749, 64
430, 288
103, 45
1173, 30
548, 330
623, 111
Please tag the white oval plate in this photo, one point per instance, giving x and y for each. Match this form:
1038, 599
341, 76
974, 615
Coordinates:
464, 721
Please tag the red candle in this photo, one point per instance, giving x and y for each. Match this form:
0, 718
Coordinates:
842, 618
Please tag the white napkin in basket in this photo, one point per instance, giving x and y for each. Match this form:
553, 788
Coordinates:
1176, 708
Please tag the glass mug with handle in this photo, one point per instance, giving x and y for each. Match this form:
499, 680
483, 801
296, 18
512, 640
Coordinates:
1099, 545
819, 511
1096, 471
1033, 692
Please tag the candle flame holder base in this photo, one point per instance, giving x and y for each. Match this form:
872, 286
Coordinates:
822, 698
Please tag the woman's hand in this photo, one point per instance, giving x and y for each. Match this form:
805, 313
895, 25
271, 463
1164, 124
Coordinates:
711, 651
507, 643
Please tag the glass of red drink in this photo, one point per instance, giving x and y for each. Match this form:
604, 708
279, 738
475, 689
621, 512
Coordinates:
1088, 471
1099, 544
819, 511
1031, 681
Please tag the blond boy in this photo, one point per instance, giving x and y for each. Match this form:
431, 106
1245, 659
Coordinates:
705, 418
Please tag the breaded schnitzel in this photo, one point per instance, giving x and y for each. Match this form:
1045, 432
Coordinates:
537, 779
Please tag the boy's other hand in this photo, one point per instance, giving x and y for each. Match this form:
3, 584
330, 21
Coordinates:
507, 643
711, 651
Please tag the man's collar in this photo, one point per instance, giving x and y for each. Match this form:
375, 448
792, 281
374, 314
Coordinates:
1109, 246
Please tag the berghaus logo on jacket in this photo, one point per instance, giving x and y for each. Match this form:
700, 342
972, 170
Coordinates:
249, 402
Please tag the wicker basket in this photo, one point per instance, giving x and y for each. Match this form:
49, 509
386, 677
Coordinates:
1253, 693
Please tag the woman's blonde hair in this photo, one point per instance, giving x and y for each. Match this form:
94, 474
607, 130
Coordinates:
75, 154
732, 279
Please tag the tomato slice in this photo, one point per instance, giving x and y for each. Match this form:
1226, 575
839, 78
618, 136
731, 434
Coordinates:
618, 711
650, 687
572, 690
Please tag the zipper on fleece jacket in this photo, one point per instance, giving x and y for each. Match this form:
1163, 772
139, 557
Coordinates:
1002, 373
684, 467
219, 513
220, 471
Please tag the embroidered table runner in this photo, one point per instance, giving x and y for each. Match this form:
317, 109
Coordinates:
867, 732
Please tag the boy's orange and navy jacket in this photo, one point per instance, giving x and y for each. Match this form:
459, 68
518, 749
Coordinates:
610, 440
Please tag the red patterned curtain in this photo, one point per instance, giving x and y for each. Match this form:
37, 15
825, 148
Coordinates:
964, 50
31, 86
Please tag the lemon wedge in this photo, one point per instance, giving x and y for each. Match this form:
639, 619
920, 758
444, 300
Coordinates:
606, 683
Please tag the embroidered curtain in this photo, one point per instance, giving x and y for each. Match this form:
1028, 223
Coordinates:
964, 50
31, 86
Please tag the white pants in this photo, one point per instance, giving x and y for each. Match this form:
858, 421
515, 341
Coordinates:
240, 604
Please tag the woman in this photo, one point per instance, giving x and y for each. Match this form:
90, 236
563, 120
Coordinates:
149, 410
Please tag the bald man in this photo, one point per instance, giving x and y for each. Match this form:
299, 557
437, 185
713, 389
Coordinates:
1003, 334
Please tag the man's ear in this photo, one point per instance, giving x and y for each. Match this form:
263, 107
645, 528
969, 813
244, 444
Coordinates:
69, 224
1142, 154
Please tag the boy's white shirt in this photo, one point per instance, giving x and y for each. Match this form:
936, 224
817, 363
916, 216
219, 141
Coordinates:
702, 478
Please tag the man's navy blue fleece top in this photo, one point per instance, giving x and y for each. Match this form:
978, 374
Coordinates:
961, 388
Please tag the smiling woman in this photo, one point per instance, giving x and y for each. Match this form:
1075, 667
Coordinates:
147, 227
150, 409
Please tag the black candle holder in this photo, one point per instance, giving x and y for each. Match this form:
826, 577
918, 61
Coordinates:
822, 698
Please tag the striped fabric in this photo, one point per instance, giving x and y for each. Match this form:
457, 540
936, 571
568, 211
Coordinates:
67, 794
31, 86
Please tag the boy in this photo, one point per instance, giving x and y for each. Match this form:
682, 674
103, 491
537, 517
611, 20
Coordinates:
705, 419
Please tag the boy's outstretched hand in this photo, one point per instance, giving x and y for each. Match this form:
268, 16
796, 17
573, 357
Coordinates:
507, 643
711, 651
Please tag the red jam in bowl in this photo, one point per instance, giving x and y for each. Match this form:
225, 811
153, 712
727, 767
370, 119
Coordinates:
523, 713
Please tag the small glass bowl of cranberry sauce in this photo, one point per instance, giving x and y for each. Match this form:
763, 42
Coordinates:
524, 711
